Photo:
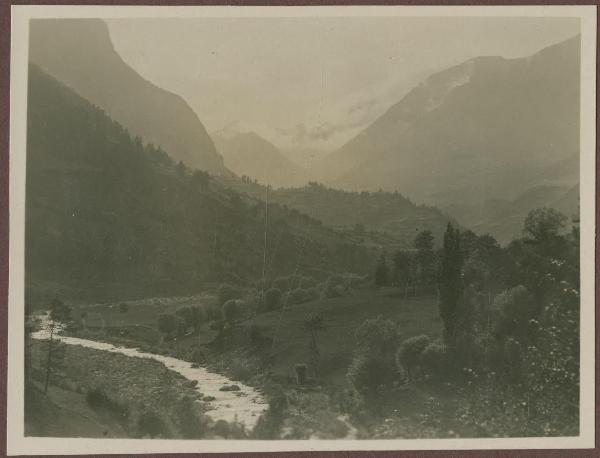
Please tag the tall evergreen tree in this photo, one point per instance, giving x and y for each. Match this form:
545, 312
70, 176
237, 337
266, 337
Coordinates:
451, 284
425, 257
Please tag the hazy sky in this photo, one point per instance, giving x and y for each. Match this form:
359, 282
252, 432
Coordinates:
313, 82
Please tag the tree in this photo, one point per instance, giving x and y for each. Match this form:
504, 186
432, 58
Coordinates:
368, 373
230, 311
185, 314
542, 224
408, 356
377, 336
451, 285
169, 324
200, 180
382, 272
197, 317
227, 292
180, 169
60, 314
425, 256
313, 324
401, 272
515, 308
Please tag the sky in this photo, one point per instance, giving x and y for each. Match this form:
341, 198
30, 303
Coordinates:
313, 83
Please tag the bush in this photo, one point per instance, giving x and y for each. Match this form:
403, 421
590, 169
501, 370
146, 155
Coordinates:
212, 312
436, 360
408, 356
228, 292
123, 307
189, 418
244, 368
150, 423
257, 338
377, 336
273, 299
297, 296
96, 398
231, 311
170, 324
370, 373
229, 388
514, 308
198, 355
217, 325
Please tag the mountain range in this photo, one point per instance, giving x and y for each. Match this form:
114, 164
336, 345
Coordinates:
79, 53
463, 132
484, 141
489, 129
108, 216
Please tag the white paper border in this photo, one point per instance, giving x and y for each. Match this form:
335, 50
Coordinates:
18, 444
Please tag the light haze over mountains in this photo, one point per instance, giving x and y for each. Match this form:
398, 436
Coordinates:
482, 128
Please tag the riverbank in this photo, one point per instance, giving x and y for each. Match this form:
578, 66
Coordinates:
93, 393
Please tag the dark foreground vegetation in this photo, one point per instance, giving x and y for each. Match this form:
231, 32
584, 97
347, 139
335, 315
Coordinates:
492, 352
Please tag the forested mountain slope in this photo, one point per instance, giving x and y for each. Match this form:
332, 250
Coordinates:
107, 216
361, 212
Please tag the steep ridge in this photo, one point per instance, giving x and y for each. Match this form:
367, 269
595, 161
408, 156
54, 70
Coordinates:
475, 131
90, 65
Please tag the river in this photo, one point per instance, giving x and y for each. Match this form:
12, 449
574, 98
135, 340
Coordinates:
244, 406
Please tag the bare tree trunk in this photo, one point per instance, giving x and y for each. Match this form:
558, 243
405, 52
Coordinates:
49, 357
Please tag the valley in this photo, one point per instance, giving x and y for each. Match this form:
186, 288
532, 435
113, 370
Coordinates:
410, 284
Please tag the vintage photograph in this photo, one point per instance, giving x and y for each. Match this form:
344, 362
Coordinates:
312, 225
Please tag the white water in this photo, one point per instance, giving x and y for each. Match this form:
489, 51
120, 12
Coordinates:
244, 406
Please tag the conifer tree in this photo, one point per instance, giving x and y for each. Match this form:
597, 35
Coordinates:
451, 285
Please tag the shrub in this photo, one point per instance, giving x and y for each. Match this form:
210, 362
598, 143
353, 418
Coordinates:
212, 312
227, 292
150, 423
96, 398
273, 299
244, 368
189, 418
231, 311
436, 360
217, 325
306, 282
123, 307
377, 335
257, 338
514, 308
169, 324
408, 356
198, 355
370, 373
297, 296
229, 388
